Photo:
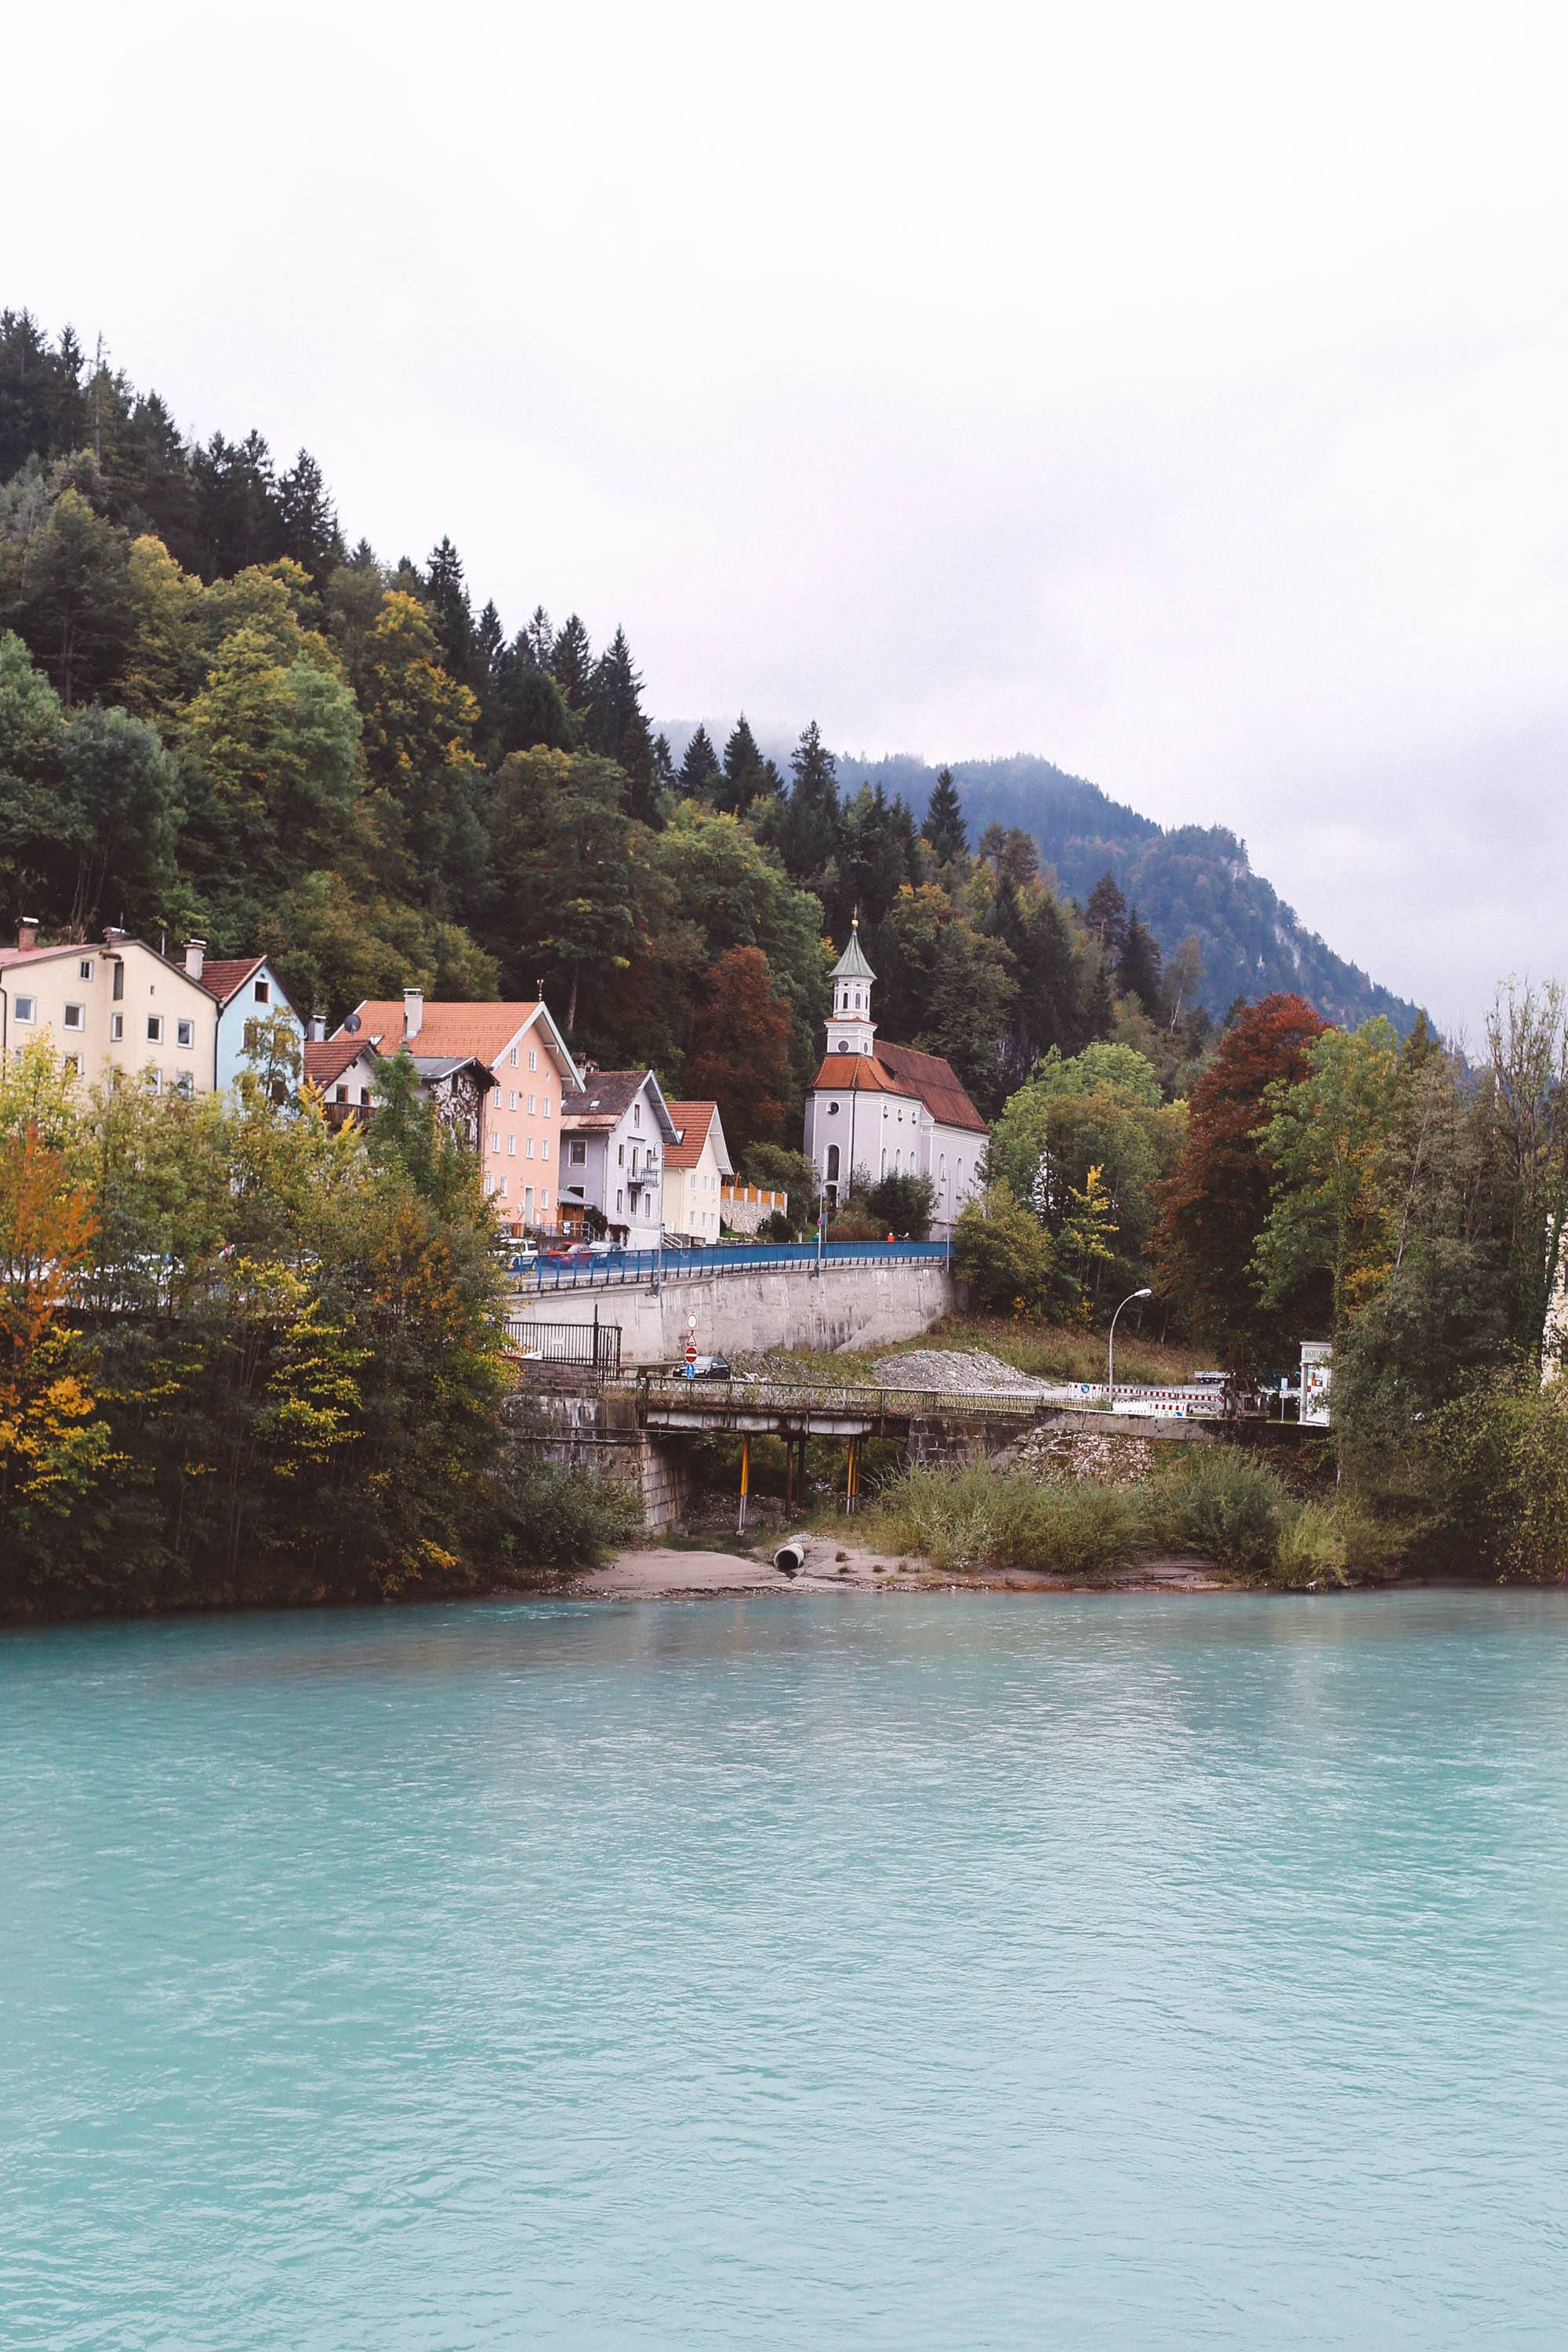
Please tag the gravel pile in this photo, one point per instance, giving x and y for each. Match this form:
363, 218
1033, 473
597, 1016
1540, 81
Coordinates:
970, 1372
1063, 1457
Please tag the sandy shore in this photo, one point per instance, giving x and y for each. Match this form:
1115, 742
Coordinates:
667, 1573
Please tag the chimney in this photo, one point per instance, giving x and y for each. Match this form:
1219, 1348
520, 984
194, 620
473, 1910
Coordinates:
28, 932
195, 954
317, 1032
413, 1013
112, 935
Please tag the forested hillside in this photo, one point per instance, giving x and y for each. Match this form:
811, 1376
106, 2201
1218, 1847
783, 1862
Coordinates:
1184, 879
220, 717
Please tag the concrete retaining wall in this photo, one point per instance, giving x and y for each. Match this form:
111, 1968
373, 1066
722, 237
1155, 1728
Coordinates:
601, 1434
864, 1306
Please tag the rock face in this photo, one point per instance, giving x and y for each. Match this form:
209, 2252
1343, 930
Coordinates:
1063, 1457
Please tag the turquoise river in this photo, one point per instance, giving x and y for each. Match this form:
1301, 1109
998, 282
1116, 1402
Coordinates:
923, 1971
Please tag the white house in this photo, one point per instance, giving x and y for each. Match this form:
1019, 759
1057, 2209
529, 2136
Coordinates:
114, 1005
616, 1133
247, 991
695, 1168
875, 1109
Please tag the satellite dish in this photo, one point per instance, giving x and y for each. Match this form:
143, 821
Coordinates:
351, 1024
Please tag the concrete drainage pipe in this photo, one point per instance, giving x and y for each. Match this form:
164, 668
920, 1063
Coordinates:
790, 1557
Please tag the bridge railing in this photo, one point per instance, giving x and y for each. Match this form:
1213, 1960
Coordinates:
853, 1399
623, 1266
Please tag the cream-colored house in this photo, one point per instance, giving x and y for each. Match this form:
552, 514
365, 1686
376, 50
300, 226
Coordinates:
695, 1168
113, 1005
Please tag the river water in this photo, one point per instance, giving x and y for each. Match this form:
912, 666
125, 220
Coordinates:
917, 1972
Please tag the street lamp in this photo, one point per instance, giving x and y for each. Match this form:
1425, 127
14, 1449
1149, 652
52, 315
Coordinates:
1110, 1341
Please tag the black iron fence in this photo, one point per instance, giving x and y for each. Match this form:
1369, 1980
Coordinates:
590, 1346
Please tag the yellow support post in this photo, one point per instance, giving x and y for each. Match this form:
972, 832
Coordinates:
745, 1480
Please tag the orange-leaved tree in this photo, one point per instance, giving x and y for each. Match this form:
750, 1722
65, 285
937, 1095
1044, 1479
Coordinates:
1216, 1202
52, 1444
739, 1042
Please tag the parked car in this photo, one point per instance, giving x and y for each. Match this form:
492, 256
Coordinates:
518, 1257
569, 1253
707, 1368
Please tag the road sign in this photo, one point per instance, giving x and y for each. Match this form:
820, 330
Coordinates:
691, 1351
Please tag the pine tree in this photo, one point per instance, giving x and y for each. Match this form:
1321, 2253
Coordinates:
448, 597
617, 728
1138, 965
42, 410
308, 524
663, 765
537, 637
238, 521
572, 663
699, 770
748, 776
1105, 917
944, 825
810, 824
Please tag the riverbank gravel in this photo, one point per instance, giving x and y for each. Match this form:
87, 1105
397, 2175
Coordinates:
966, 1372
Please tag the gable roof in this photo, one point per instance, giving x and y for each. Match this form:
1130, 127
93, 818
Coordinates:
605, 1099
106, 947
327, 1058
224, 976
448, 1027
697, 1121
936, 1082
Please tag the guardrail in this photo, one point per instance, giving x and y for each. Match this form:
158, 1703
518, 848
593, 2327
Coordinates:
630, 1266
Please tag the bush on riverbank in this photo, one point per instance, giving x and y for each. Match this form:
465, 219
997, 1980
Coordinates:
1495, 1465
244, 1358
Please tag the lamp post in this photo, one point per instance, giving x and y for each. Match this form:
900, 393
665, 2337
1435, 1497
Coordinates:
1111, 1342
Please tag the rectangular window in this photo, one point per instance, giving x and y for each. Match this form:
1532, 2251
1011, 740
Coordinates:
154, 1028
185, 1083
155, 1080
530, 1146
544, 1107
185, 1033
364, 1095
544, 1198
545, 1149
511, 1147
116, 1028
84, 969
532, 1102
511, 1099
495, 1138
532, 1058
73, 1065
512, 1057
118, 989
579, 1151
489, 1180
262, 993
27, 1008
620, 1203
76, 1016
620, 1155
503, 1188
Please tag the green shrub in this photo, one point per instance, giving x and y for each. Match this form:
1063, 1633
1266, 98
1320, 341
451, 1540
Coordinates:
1496, 1465
1229, 1507
1313, 1547
547, 1518
966, 1520
1000, 1251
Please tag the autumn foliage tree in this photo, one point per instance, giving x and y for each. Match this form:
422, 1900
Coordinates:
1216, 1204
740, 1048
51, 1442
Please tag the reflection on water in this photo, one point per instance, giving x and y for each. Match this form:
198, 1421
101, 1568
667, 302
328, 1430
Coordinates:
933, 1971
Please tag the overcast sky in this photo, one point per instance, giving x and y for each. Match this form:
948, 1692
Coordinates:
1179, 393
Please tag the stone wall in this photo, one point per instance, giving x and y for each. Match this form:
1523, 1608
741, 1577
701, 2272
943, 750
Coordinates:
866, 1305
600, 1434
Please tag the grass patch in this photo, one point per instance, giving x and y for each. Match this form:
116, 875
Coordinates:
966, 1520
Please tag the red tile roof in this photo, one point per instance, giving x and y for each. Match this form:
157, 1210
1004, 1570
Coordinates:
900, 1070
936, 1082
694, 1119
326, 1059
224, 976
485, 1030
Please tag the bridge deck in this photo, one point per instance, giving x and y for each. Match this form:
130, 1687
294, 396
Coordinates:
825, 1410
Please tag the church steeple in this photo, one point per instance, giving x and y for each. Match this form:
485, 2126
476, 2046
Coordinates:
851, 1029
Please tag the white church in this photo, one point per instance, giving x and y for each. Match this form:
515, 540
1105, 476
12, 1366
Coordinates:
876, 1110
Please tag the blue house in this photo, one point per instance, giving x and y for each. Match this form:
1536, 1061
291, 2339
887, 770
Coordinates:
247, 990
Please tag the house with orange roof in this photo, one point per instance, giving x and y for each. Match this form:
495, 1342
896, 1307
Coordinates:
530, 1071
875, 1109
696, 1166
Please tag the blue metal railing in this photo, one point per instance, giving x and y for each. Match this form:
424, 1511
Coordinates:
622, 1266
